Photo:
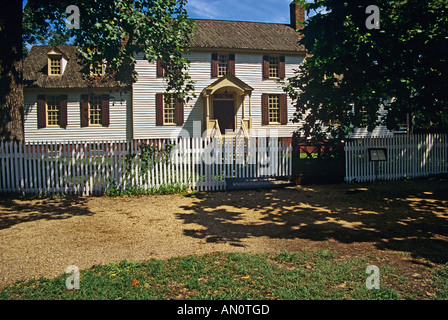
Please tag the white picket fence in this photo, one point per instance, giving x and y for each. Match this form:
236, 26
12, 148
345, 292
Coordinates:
408, 156
87, 168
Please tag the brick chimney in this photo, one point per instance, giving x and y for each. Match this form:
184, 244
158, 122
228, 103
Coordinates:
297, 13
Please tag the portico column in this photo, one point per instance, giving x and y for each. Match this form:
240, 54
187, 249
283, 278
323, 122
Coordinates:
207, 108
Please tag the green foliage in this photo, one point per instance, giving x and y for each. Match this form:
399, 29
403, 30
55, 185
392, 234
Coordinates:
401, 67
441, 282
116, 191
149, 154
115, 30
238, 276
147, 158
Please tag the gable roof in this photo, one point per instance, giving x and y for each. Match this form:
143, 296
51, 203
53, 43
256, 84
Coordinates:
210, 35
254, 36
35, 70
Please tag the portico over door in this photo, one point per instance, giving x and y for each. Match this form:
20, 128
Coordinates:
222, 101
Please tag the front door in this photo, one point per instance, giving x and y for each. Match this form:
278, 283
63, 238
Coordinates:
224, 112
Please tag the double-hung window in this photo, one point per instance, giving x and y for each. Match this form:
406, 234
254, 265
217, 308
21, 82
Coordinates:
274, 67
274, 108
53, 103
169, 109
52, 111
95, 110
223, 64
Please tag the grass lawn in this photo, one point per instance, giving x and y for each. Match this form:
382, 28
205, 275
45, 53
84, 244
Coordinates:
319, 274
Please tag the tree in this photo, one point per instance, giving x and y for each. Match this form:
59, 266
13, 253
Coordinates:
354, 71
11, 93
111, 30
114, 30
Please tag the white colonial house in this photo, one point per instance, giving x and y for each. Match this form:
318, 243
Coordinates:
237, 68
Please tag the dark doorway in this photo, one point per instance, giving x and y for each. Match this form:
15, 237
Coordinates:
224, 112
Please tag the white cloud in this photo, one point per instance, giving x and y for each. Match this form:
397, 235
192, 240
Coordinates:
204, 9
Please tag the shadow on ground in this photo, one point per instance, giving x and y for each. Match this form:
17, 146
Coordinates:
405, 216
14, 211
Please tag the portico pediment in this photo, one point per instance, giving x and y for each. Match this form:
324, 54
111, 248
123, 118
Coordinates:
230, 82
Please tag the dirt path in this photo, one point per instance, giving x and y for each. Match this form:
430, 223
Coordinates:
401, 223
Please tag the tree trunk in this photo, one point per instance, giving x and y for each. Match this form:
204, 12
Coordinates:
11, 70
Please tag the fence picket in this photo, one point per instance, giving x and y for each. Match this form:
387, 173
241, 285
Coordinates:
87, 168
410, 156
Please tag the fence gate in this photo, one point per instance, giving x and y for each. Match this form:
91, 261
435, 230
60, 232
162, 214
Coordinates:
318, 162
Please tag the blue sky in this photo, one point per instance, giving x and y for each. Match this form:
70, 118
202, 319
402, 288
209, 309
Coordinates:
276, 11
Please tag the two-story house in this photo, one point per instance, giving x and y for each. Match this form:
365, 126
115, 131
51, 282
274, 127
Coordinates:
236, 67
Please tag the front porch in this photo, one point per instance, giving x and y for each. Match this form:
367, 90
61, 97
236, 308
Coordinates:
228, 107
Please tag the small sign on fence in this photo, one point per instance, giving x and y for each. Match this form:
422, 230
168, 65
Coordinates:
377, 154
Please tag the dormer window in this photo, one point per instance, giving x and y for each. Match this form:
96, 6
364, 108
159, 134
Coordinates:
97, 70
56, 62
55, 65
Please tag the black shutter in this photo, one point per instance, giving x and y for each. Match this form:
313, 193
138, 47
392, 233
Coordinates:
159, 109
159, 68
41, 111
105, 110
265, 108
266, 67
232, 63
84, 110
281, 67
179, 112
283, 109
63, 111
214, 65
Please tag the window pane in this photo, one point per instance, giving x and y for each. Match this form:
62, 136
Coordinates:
53, 110
55, 65
274, 108
95, 110
169, 109
274, 67
223, 65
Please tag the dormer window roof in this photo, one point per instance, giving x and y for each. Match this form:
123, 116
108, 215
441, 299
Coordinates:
56, 62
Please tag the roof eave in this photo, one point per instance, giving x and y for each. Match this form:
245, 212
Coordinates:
249, 51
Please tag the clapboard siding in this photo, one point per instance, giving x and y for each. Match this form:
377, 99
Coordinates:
137, 119
248, 68
120, 127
